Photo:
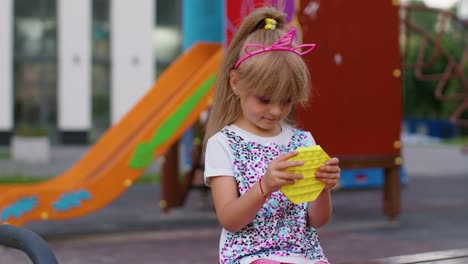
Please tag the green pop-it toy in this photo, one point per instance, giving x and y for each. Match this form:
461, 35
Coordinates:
308, 188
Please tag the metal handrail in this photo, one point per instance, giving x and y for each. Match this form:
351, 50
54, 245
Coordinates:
29, 242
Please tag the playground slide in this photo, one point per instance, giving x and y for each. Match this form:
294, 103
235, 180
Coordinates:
124, 152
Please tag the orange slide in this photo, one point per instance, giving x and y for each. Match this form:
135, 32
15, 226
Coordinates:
123, 153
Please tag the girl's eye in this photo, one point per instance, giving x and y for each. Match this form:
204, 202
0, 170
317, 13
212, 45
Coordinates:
287, 101
263, 99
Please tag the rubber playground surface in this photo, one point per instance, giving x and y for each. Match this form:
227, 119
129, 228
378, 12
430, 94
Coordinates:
133, 229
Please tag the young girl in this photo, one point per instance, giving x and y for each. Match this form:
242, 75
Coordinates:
249, 141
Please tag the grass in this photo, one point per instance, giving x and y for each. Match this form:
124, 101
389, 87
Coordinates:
457, 141
23, 179
4, 155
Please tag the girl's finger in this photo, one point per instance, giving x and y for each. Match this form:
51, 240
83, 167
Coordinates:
278, 182
325, 175
295, 176
287, 182
289, 164
330, 169
289, 176
329, 182
286, 156
332, 161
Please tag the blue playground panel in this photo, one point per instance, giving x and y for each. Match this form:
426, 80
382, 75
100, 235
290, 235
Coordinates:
366, 178
440, 128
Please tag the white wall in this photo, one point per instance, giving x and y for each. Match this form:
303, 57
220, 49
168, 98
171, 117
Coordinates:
6, 62
132, 69
74, 52
462, 10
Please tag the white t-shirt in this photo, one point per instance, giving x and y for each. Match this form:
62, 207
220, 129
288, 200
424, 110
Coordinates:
220, 156
219, 160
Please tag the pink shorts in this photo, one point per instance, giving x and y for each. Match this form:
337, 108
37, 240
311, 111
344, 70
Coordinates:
267, 261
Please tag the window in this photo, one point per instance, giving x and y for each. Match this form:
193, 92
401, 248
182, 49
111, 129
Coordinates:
35, 63
100, 68
167, 35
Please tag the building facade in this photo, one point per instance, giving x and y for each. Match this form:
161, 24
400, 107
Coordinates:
76, 67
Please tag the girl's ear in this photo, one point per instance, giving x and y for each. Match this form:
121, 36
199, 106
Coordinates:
233, 81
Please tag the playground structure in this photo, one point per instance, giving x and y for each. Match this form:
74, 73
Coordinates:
454, 67
126, 149
356, 107
122, 154
355, 113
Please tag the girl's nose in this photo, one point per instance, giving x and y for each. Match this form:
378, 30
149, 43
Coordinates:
275, 109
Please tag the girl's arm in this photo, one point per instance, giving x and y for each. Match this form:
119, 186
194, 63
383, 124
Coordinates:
234, 211
319, 211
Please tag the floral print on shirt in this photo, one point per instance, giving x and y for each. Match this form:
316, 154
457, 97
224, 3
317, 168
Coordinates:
280, 227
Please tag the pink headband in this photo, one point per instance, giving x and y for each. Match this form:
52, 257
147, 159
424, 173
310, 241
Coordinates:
284, 43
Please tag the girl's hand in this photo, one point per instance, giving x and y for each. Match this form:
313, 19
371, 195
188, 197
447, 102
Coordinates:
275, 176
329, 173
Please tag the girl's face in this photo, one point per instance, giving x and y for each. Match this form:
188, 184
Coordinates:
261, 115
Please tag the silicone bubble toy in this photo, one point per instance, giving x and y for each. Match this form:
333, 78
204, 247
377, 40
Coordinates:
308, 188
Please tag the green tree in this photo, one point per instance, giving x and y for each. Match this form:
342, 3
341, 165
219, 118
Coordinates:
419, 95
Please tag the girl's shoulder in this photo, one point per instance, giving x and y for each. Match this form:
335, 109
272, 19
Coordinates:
218, 138
221, 135
304, 135
228, 133
223, 138
233, 133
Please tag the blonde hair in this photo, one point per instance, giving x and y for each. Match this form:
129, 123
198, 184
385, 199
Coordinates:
278, 74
